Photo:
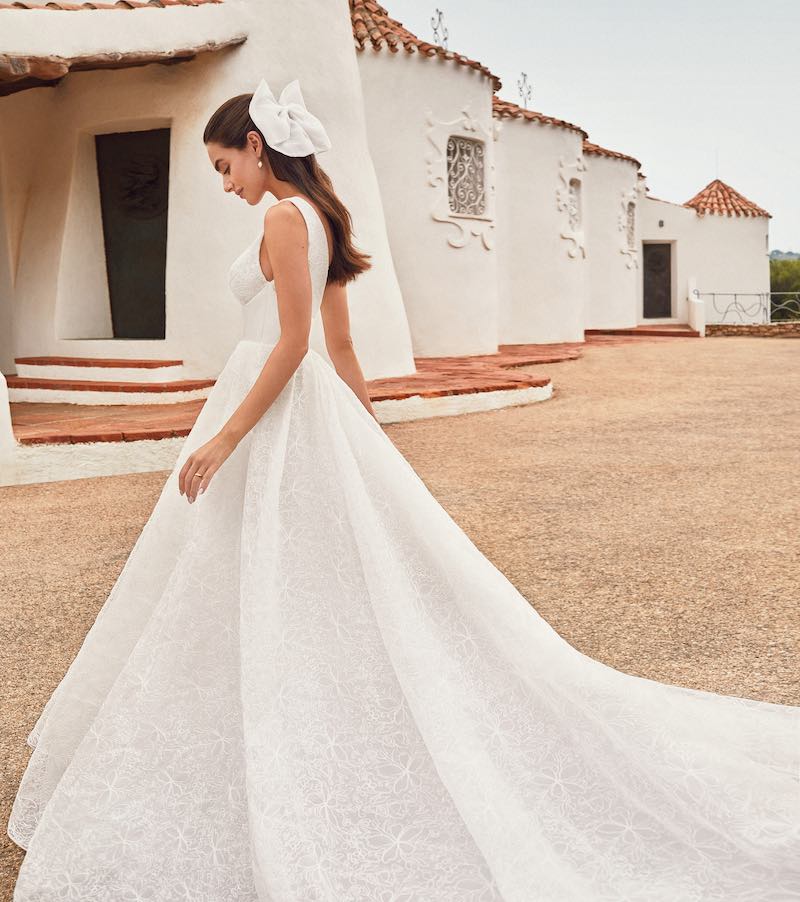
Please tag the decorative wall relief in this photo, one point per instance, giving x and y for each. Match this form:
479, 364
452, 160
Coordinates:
627, 226
570, 201
461, 169
574, 204
466, 175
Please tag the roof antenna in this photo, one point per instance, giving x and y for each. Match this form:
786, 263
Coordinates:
524, 90
437, 23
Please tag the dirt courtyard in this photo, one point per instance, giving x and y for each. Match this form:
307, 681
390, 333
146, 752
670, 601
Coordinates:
649, 511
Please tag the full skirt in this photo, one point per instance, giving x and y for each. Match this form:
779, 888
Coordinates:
311, 685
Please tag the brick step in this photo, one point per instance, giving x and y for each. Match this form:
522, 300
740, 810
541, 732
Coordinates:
681, 330
59, 423
424, 386
91, 385
438, 377
99, 369
441, 386
126, 363
92, 391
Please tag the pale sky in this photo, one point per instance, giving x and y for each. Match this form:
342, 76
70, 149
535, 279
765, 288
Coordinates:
694, 89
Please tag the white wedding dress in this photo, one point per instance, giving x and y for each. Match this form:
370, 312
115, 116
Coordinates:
310, 685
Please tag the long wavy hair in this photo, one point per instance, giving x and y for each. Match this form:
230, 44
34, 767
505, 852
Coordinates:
229, 125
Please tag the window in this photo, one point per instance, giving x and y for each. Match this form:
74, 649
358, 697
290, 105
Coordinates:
466, 175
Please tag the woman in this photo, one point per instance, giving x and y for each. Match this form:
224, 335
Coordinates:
311, 685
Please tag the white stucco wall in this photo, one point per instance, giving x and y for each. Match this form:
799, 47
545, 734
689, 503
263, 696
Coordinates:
450, 293
541, 285
613, 262
6, 296
41, 172
83, 303
46, 32
8, 443
719, 253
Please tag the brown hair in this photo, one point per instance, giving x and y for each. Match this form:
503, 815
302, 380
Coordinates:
229, 126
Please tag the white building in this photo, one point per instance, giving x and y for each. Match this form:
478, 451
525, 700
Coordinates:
487, 223
542, 261
510, 226
717, 243
103, 112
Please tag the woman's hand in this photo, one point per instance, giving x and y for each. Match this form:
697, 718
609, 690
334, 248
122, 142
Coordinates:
202, 464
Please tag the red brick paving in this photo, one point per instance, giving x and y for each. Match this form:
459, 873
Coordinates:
51, 423
97, 385
42, 422
438, 376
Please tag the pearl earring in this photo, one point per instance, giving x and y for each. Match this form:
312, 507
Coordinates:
260, 164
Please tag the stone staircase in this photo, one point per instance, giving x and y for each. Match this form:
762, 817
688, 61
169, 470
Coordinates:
97, 380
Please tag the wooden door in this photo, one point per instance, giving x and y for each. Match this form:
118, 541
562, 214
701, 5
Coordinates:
133, 174
657, 280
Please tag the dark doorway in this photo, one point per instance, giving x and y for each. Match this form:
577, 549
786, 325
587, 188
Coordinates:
133, 174
657, 280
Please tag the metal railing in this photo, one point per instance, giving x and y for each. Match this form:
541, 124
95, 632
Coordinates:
756, 306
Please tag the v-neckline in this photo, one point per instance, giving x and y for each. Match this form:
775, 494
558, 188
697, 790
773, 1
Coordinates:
261, 238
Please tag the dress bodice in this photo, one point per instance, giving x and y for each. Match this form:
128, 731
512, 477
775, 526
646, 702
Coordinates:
257, 295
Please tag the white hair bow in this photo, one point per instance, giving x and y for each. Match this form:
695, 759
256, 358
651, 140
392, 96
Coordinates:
286, 124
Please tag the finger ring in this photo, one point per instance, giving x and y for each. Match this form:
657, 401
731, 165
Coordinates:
198, 474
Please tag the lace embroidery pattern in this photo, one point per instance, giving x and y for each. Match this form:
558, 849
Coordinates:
310, 685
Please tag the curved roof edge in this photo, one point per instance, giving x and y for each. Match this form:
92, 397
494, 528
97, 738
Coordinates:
374, 27
505, 109
590, 147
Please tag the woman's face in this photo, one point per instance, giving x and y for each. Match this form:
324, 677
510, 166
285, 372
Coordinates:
239, 170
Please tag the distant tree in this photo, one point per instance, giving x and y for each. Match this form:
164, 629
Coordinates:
784, 275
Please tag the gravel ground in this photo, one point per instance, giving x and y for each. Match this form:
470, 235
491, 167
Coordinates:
649, 511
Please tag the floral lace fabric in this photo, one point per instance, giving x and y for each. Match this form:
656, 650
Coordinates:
310, 685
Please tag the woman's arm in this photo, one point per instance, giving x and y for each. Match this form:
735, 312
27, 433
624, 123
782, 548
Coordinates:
339, 343
286, 239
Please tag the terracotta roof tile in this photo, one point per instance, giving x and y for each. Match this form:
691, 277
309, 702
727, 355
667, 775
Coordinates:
589, 147
717, 197
505, 109
373, 26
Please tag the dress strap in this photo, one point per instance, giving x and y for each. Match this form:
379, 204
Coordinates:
320, 228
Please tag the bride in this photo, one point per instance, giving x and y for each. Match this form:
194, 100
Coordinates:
308, 684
